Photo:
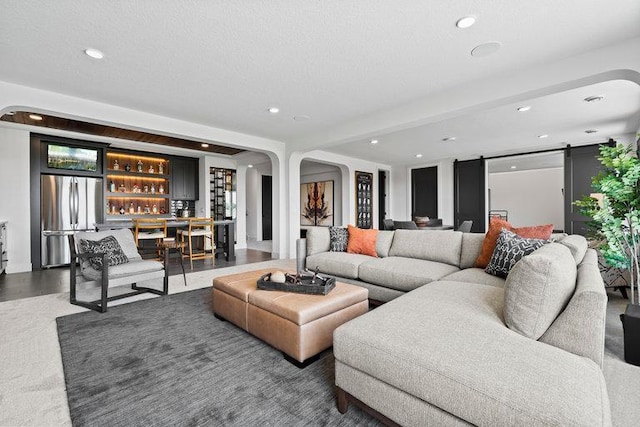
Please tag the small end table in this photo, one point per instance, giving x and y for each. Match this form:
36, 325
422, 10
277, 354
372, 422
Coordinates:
167, 245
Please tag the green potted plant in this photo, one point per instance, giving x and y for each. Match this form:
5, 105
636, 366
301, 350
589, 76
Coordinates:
615, 217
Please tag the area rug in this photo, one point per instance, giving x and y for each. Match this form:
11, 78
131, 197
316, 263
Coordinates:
168, 361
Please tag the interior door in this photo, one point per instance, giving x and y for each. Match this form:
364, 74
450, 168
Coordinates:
424, 192
580, 165
267, 211
469, 193
382, 198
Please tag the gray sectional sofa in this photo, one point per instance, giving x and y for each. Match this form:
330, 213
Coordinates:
454, 345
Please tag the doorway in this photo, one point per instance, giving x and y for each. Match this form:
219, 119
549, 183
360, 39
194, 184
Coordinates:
267, 207
424, 192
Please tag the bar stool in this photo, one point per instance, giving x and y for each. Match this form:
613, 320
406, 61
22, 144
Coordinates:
198, 227
149, 229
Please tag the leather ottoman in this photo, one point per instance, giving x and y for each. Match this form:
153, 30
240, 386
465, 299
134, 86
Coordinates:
299, 325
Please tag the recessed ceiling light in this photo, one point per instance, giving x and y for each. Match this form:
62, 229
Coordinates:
524, 108
374, 141
302, 118
591, 131
10, 113
35, 117
513, 167
466, 22
594, 98
485, 49
449, 139
249, 166
94, 53
544, 135
273, 110
204, 145
418, 155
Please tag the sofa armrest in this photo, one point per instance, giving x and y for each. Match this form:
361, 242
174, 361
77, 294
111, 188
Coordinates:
301, 254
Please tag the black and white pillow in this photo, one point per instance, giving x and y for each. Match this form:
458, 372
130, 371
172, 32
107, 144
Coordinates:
338, 239
510, 248
108, 245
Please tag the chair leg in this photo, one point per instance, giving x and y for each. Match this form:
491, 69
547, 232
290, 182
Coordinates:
191, 251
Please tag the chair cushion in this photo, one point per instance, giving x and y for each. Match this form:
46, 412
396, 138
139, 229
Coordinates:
510, 248
538, 288
123, 270
108, 245
200, 232
404, 274
143, 235
439, 246
341, 264
446, 344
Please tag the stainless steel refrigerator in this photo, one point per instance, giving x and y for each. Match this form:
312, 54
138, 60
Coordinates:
67, 204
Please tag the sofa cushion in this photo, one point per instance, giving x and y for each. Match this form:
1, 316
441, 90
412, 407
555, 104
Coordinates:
446, 344
496, 225
124, 270
471, 246
438, 246
109, 246
578, 246
538, 288
475, 275
362, 241
383, 242
338, 239
404, 274
341, 264
510, 248
317, 240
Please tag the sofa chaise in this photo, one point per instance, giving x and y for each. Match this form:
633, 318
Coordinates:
455, 345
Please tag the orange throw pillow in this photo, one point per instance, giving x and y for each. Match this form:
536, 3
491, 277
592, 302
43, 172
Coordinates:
362, 241
491, 238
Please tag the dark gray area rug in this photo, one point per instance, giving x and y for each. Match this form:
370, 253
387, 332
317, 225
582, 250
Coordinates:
168, 361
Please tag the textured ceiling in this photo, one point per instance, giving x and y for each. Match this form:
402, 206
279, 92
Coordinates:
224, 63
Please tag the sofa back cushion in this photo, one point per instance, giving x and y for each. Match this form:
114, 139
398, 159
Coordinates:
383, 243
430, 245
578, 246
317, 240
471, 246
538, 288
580, 328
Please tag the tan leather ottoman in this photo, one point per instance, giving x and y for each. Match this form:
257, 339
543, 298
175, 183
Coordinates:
299, 325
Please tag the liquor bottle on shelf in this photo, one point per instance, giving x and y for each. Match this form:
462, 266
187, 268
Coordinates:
146, 188
139, 209
122, 188
155, 209
113, 209
131, 208
160, 168
112, 187
121, 210
146, 208
153, 189
116, 165
161, 188
151, 169
136, 188
127, 167
139, 165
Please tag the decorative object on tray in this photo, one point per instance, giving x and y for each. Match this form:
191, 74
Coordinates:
306, 282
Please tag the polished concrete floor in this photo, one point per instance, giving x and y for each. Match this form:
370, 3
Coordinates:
55, 280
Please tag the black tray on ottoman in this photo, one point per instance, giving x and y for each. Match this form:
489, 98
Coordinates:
322, 286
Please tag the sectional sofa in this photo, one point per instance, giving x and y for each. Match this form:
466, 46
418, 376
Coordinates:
454, 345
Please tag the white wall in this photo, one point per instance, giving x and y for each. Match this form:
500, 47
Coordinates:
532, 197
14, 197
314, 172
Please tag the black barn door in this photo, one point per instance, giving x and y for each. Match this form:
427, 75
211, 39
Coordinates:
580, 165
267, 211
382, 198
424, 192
468, 193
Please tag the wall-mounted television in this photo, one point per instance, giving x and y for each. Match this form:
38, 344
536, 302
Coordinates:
72, 158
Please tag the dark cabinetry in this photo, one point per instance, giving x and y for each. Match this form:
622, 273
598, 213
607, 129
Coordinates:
184, 178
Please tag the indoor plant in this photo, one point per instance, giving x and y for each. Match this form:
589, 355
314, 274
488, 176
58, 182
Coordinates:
615, 217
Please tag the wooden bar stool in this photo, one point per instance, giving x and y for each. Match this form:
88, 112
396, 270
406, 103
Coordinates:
149, 229
198, 227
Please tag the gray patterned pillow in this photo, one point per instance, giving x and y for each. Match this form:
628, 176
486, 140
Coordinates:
510, 248
108, 245
338, 239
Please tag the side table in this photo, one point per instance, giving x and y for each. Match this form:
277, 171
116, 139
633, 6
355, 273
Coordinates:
167, 245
